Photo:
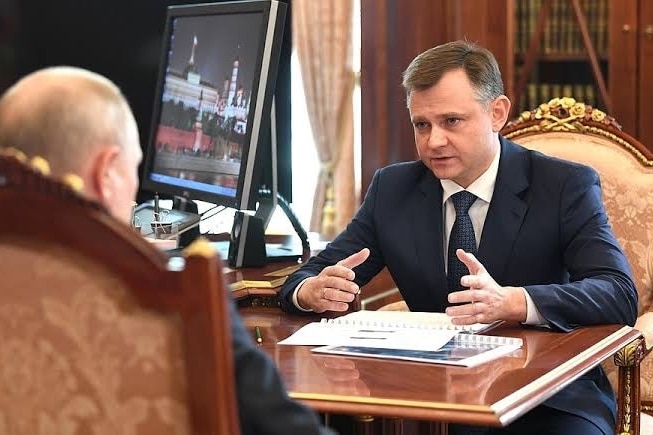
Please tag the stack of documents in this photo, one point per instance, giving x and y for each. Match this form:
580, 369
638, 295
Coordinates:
428, 337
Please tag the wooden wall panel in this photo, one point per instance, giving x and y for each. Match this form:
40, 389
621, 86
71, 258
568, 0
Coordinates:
490, 24
622, 49
645, 88
393, 32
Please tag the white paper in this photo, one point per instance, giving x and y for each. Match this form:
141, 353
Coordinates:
386, 337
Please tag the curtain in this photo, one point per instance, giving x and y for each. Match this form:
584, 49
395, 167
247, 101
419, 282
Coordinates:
322, 36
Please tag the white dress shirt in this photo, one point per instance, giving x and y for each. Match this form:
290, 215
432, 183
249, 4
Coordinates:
483, 188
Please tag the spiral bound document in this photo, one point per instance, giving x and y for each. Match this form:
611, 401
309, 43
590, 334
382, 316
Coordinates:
382, 329
411, 319
466, 350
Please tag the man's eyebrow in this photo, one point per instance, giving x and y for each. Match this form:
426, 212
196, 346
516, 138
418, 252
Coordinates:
421, 118
418, 118
451, 115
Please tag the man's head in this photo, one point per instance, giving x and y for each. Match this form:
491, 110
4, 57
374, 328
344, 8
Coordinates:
81, 124
457, 107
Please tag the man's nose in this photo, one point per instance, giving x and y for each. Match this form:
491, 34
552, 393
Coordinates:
437, 138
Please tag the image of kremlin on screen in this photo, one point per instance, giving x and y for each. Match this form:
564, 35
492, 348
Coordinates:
206, 98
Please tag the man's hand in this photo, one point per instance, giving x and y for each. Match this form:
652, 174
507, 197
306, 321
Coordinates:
485, 301
332, 289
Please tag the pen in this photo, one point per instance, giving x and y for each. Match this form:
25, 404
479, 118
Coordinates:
259, 337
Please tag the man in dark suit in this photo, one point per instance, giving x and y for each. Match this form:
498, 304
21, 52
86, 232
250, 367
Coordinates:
538, 247
81, 124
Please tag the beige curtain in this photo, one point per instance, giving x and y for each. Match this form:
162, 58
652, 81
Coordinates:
322, 36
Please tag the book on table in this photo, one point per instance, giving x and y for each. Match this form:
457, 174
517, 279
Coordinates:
415, 336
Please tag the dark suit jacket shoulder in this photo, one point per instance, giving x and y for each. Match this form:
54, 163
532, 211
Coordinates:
263, 403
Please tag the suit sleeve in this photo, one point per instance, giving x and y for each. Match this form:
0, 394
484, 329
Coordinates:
263, 403
360, 233
600, 288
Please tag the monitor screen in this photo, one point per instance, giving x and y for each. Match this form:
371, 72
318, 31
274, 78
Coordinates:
210, 136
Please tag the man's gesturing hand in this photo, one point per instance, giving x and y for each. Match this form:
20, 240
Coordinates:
333, 289
485, 301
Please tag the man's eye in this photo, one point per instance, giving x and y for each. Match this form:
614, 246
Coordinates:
420, 125
451, 121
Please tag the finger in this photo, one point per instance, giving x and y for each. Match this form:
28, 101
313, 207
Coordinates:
337, 295
462, 297
475, 267
339, 283
327, 305
355, 259
461, 314
467, 320
338, 271
474, 281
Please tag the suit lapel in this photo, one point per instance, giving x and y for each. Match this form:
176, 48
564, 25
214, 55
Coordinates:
427, 232
506, 212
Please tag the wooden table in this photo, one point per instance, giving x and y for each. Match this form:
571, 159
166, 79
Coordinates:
492, 394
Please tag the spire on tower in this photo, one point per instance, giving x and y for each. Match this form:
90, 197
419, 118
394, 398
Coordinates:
190, 72
191, 61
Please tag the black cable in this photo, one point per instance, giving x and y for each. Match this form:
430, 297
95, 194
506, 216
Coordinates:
294, 221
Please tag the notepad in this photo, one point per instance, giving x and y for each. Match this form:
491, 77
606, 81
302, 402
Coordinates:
411, 319
466, 350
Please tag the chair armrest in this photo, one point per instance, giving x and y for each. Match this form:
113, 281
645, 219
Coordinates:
644, 324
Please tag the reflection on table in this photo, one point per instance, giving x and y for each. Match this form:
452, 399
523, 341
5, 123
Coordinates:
492, 394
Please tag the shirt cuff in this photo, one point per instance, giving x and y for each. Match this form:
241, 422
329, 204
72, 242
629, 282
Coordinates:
294, 297
533, 316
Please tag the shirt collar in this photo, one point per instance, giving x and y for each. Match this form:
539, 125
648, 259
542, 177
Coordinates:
482, 187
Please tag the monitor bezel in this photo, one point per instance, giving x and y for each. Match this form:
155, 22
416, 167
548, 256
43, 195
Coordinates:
263, 89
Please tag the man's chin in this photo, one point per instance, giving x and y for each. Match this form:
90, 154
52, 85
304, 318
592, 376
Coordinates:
443, 173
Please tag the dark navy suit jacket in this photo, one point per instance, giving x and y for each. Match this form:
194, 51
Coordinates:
546, 230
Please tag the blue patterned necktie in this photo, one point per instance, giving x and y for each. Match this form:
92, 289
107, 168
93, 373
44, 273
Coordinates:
461, 237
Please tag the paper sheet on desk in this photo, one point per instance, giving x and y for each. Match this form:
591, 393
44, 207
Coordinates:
328, 333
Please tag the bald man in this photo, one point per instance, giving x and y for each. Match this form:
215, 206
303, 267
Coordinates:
81, 123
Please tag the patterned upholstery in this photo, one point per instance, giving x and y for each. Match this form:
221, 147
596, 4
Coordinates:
97, 334
79, 355
574, 131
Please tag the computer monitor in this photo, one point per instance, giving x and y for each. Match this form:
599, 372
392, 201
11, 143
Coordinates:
213, 115
213, 101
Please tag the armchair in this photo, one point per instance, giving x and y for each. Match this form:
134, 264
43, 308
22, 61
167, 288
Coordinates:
572, 130
99, 335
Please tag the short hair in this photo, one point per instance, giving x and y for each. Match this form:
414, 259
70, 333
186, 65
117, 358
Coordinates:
482, 70
61, 113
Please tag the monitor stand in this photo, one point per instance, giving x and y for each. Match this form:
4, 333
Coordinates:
185, 205
247, 246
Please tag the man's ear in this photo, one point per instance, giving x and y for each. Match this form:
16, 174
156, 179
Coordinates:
103, 173
500, 110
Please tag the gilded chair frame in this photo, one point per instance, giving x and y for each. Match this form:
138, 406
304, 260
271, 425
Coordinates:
570, 117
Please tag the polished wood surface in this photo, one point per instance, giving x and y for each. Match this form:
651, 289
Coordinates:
630, 52
258, 286
495, 393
